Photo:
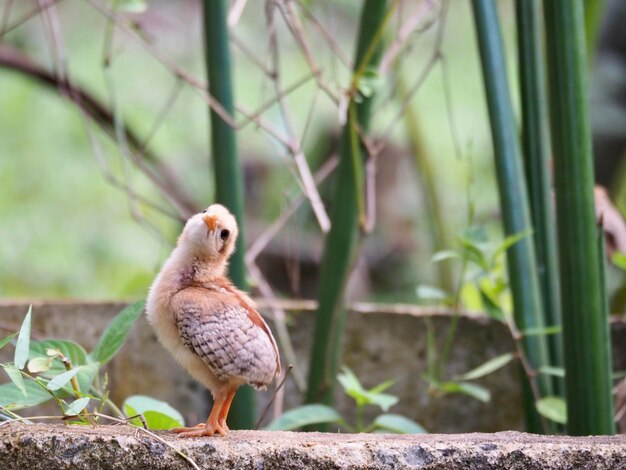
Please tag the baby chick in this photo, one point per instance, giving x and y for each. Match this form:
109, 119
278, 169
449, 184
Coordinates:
211, 327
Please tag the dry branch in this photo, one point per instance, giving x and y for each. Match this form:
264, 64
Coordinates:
13, 59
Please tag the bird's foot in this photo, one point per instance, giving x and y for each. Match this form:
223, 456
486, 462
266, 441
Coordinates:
197, 426
223, 425
202, 429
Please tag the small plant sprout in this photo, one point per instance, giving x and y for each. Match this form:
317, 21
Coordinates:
62, 371
322, 414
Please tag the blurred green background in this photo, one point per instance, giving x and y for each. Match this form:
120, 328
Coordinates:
66, 232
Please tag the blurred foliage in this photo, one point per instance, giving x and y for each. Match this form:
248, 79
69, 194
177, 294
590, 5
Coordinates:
66, 232
318, 414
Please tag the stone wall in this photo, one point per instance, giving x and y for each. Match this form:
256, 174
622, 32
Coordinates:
113, 447
378, 347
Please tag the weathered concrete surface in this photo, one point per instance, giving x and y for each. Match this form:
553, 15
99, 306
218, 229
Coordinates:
113, 447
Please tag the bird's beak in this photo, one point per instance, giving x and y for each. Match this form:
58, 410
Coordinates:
210, 221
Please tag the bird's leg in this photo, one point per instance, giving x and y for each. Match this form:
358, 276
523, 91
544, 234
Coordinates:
212, 425
230, 394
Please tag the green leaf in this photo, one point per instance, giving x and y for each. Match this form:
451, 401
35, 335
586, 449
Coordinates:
73, 351
303, 416
5, 341
158, 414
467, 388
352, 386
350, 383
444, 255
620, 374
62, 379
619, 260
86, 375
76, 406
129, 6
77, 355
39, 364
488, 367
369, 82
116, 333
425, 292
474, 254
398, 424
382, 387
475, 235
491, 307
553, 371
383, 400
16, 377
154, 420
544, 331
12, 397
23, 342
507, 243
553, 408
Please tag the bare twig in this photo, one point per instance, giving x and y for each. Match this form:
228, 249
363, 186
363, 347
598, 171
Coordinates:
235, 12
67, 88
309, 187
293, 22
262, 240
99, 113
278, 389
447, 94
403, 35
336, 48
310, 305
27, 16
154, 436
434, 58
6, 14
529, 371
167, 107
370, 194
280, 322
248, 53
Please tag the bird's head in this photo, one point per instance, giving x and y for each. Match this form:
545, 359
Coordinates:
210, 234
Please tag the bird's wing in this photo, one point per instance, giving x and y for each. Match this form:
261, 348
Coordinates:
222, 334
258, 320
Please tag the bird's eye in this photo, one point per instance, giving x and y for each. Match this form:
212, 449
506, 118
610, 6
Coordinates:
204, 211
224, 234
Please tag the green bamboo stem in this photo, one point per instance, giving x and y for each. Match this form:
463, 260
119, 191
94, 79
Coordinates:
585, 320
521, 262
227, 167
341, 242
535, 144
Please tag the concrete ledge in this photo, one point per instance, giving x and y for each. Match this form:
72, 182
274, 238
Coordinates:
46, 446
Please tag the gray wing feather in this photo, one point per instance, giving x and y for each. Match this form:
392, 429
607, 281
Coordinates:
229, 343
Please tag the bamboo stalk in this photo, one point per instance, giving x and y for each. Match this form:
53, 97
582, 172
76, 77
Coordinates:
341, 242
227, 167
535, 144
514, 204
585, 319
